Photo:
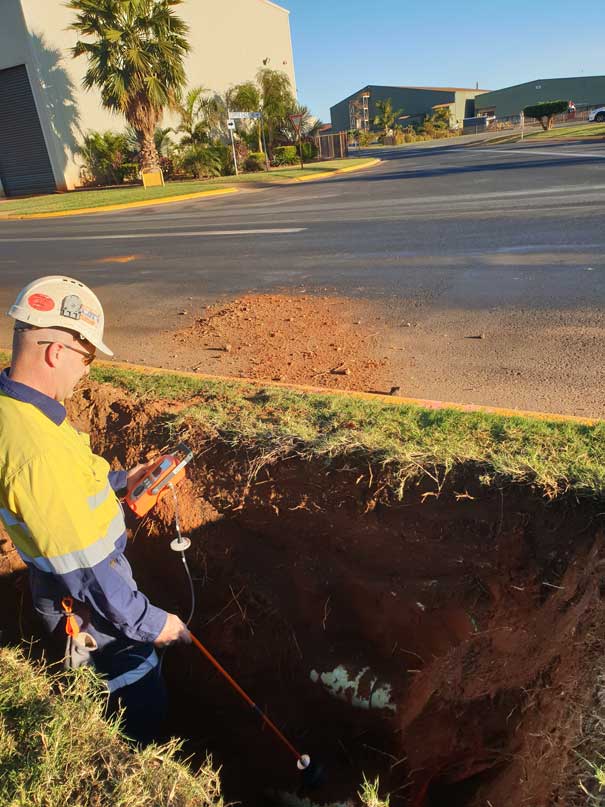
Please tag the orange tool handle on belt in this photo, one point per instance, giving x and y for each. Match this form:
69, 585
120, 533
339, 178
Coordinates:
71, 626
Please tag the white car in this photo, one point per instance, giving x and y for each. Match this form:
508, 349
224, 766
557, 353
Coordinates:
597, 115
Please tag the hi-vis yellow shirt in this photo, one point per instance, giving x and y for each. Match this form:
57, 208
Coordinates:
58, 505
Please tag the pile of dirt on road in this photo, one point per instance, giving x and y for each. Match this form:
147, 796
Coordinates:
317, 340
449, 642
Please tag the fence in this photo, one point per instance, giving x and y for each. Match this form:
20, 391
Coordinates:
502, 123
332, 146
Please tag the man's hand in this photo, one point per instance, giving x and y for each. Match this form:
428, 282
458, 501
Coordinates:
138, 472
174, 630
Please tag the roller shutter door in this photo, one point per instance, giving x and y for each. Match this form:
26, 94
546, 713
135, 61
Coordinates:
24, 162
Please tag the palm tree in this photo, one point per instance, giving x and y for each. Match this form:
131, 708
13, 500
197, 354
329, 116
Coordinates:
192, 125
309, 124
214, 115
386, 116
135, 51
277, 100
246, 98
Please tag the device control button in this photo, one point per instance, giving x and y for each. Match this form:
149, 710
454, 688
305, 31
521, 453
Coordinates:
138, 490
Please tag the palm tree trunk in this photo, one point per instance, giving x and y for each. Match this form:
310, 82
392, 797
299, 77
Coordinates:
149, 153
260, 142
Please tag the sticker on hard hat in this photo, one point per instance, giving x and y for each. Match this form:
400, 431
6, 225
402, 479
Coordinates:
88, 316
71, 306
41, 302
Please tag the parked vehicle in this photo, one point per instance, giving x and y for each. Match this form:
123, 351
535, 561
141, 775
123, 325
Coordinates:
597, 115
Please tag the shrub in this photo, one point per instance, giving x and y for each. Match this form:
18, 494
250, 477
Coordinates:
106, 158
129, 172
202, 161
309, 151
365, 138
285, 155
168, 167
545, 112
255, 161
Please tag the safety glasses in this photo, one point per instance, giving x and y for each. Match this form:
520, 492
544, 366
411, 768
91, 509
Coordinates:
88, 358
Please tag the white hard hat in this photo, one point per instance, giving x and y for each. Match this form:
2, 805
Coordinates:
62, 302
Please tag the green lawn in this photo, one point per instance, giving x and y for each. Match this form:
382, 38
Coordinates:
114, 196
582, 130
406, 440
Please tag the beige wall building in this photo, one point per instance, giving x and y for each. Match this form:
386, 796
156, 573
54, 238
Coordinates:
45, 110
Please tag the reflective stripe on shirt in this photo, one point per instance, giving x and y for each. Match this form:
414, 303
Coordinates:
84, 558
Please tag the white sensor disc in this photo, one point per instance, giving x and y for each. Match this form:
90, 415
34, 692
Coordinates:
304, 762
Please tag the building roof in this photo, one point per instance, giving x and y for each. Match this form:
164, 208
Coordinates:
541, 80
444, 89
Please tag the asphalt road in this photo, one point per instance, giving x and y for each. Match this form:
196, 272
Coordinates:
506, 243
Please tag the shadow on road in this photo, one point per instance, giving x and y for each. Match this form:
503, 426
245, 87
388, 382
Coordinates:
514, 165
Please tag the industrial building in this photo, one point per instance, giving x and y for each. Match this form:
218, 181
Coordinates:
45, 110
584, 91
359, 110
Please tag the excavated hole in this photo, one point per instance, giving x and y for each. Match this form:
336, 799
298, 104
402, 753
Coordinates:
468, 623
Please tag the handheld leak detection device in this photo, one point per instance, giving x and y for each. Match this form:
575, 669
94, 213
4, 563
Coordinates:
167, 471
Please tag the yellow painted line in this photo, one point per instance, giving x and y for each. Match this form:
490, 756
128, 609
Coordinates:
348, 169
390, 400
123, 206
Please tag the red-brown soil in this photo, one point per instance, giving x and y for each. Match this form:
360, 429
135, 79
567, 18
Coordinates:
323, 341
480, 606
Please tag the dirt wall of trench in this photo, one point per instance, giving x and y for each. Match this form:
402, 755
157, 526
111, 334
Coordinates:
465, 626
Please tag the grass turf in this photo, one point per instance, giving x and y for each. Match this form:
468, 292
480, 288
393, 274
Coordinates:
563, 132
555, 456
104, 197
56, 748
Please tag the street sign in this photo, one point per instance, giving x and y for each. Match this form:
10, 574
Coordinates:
296, 120
245, 115
231, 125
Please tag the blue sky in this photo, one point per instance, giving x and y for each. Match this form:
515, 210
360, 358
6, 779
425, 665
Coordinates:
341, 46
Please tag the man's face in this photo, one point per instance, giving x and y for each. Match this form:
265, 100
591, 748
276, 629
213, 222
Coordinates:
72, 365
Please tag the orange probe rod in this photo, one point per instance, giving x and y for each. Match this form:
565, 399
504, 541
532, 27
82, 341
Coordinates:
245, 696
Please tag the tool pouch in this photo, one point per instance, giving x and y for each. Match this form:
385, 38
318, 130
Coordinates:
79, 645
79, 650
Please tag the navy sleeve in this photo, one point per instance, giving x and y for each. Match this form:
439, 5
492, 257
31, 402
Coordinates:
109, 589
118, 480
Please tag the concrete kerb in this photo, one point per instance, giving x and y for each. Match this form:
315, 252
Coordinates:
390, 400
347, 170
84, 211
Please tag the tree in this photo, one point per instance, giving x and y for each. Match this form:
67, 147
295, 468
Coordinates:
386, 115
545, 112
309, 124
246, 97
277, 100
193, 125
135, 51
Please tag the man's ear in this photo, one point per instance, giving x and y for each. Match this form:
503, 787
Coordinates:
53, 353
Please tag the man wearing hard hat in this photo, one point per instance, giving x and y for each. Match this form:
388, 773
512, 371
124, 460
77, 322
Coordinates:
59, 506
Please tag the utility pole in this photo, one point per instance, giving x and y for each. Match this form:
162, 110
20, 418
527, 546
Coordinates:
231, 127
